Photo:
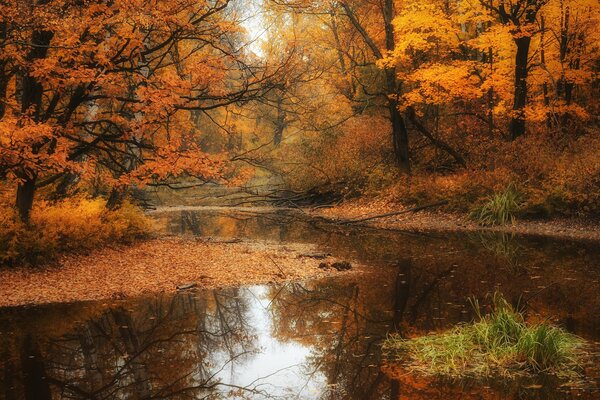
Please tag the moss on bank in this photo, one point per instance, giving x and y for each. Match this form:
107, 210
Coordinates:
500, 343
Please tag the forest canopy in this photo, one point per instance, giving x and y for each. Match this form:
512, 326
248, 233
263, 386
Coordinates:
412, 100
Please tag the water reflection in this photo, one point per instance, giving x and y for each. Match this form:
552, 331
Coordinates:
155, 348
311, 340
317, 340
558, 278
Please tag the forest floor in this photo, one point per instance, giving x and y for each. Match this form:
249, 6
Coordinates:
439, 221
160, 265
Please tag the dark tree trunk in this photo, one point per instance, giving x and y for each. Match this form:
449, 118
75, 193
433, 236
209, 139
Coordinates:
3, 88
3, 71
279, 122
517, 124
392, 89
31, 102
399, 131
67, 181
115, 199
25, 193
399, 137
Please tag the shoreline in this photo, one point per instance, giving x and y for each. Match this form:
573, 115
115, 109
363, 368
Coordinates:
161, 265
164, 263
436, 221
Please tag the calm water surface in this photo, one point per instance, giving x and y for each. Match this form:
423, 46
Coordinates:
309, 340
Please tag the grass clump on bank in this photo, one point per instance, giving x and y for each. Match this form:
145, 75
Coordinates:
66, 226
500, 343
500, 209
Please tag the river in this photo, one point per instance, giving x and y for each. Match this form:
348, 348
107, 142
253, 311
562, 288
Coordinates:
303, 340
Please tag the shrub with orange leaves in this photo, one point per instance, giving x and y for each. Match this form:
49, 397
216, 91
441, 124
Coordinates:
553, 178
357, 158
70, 225
462, 189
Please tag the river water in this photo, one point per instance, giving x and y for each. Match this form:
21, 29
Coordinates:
305, 340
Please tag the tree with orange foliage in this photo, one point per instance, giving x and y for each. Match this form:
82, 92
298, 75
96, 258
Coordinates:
94, 87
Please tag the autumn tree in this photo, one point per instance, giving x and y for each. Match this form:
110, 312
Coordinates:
521, 16
387, 43
107, 88
568, 53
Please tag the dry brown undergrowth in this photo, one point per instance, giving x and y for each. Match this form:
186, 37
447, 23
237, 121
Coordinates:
448, 222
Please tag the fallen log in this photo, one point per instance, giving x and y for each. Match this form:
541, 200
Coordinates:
391, 214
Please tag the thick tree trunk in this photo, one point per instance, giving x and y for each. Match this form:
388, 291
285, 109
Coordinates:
31, 103
517, 124
399, 131
25, 193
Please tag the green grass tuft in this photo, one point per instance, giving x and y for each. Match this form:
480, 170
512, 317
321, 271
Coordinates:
499, 343
500, 209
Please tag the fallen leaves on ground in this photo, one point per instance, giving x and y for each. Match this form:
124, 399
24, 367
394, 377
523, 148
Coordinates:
158, 265
428, 220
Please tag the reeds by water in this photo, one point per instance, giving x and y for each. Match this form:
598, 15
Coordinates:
499, 343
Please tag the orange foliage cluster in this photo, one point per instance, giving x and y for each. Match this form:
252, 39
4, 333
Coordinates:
111, 91
462, 87
354, 156
468, 96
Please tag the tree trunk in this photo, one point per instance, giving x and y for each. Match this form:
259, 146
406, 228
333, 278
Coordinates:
115, 199
399, 137
67, 181
3, 88
439, 143
517, 124
399, 131
3, 70
31, 102
25, 192
279, 122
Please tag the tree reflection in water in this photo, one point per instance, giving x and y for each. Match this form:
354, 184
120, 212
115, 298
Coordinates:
316, 340
156, 348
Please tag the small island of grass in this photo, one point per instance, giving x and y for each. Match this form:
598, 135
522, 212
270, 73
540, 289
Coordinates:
500, 343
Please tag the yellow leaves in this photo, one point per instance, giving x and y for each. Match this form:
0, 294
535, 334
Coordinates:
424, 26
442, 83
71, 225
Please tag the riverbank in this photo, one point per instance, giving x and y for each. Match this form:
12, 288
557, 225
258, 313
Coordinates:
160, 265
429, 220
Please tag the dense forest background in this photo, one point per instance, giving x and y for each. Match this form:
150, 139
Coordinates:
408, 101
